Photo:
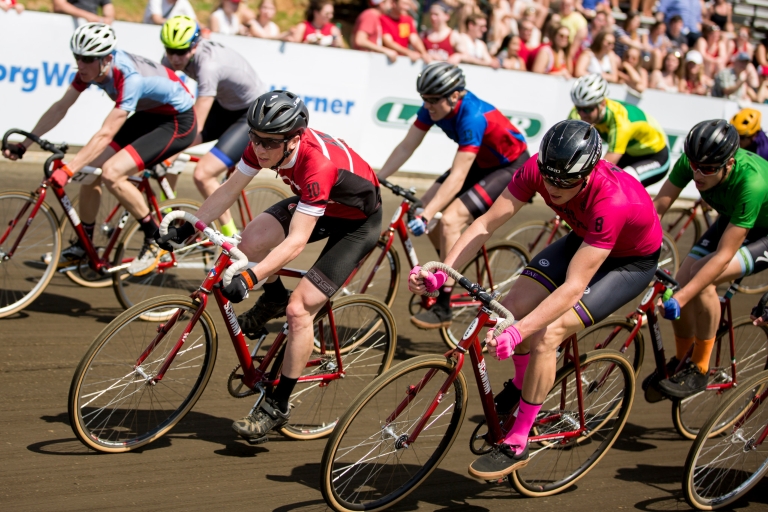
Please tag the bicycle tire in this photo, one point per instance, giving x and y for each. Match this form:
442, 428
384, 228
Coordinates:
260, 197
752, 284
604, 335
368, 338
540, 477
751, 342
669, 258
509, 256
386, 393
25, 267
709, 484
533, 235
117, 426
386, 276
674, 220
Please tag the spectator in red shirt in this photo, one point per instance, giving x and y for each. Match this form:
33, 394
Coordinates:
399, 32
6, 5
527, 53
366, 36
317, 27
441, 41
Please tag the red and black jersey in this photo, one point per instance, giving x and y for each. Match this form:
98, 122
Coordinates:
327, 175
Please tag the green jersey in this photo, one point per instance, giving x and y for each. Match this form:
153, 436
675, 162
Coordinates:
742, 197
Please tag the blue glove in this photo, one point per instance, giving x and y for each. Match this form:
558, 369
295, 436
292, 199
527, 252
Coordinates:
671, 309
418, 225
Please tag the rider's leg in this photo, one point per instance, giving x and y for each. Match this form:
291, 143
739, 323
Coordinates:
90, 195
115, 173
207, 171
685, 327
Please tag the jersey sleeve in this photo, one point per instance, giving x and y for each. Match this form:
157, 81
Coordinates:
78, 84
605, 224
471, 132
249, 164
207, 79
315, 184
525, 181
423, 121
681, 174
619, 130
751, 198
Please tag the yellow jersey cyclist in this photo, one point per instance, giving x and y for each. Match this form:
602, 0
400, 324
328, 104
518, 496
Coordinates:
226, 86
635, 141
751, 135
490, 150
607, 260
153, 119
735, 183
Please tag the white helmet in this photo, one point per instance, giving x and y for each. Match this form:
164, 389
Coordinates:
93, 40
589, 90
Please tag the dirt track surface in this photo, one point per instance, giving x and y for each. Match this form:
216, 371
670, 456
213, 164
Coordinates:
203, 465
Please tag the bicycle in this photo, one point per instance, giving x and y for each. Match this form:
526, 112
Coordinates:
37, 232
725, 369
403, 423
379, 278
139, 379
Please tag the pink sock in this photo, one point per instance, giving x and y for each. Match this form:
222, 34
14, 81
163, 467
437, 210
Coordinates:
521, 363
518, 435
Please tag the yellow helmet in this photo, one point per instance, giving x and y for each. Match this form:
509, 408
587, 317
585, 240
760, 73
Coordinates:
747, 122
180, 33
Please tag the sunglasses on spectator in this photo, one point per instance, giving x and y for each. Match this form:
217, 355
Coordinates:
563, 183
180, 53
264, 142
432, 100
706, 170
587, 109
84, 59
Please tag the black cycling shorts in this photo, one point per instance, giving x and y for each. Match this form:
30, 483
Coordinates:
349, 241
752, 255
231, 128
648, 169
617, 281
483, 186
151, 138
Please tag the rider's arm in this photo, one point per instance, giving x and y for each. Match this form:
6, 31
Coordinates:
108, 12
388, 42
224, 197
203, 106
402, 152
54, 114
452, 184
299, 232
666, 196
418, 44
64, 7
100, 140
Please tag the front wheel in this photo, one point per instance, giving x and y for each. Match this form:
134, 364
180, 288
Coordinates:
669, 258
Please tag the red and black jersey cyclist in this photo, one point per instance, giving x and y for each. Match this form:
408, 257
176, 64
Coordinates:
337, 198
607, 260
162, 124
490, 150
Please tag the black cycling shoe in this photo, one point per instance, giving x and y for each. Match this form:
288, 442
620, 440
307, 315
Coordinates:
434, 318
654, 378
498, 463
686, 382
508, 398
252, 322
267, 417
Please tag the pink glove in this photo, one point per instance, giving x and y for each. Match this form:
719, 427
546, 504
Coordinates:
506, 343
60, 177
433, 281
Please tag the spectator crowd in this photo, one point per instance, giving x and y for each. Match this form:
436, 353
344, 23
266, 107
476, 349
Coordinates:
678, 46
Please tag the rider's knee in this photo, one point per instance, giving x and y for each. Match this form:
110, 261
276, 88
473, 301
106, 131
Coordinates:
296, 311
109, 176
203, 173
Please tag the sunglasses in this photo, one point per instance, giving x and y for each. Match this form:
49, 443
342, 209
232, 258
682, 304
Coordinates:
84, 60
706, 170
265, 143
563, 183
180, 53
586, 110
432, 100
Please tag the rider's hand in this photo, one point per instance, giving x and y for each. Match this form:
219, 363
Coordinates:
418, 225
237, 290
757, 318
421, 282
504, 345
671, 309
175, 236
60, 177
14, 151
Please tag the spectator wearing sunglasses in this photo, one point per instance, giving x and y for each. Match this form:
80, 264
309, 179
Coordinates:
735, 183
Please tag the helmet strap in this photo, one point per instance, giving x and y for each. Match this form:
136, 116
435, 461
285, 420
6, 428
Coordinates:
103, 69
286, 154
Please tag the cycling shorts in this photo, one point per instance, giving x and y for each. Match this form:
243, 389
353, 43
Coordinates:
483, 186
231, 128
349, 241
617, 281
151, 138
752, 255
648, 169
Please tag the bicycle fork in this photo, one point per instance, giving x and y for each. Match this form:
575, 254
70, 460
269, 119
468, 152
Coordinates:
12, 224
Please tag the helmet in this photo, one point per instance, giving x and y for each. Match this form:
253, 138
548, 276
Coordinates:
278, 112
440, 79
93, 40
711, 143
589, 90
180, 33
747, 122
569, 150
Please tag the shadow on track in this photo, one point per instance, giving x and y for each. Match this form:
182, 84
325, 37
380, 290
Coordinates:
55, 304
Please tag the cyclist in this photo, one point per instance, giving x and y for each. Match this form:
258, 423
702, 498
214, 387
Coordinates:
337, 197
163, 124
608, 259
636, 142
226, 87
490, 150
751, 135
735, 183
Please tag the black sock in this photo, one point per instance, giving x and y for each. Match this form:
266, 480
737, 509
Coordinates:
275, 291
148, 226
282, 393
444, 297
88, 228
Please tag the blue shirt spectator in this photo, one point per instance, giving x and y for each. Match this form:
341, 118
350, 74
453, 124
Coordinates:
688, 10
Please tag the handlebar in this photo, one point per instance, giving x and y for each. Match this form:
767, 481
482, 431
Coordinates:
402, 192
241, 261
58, 150
662, 276
476, 291
759, 310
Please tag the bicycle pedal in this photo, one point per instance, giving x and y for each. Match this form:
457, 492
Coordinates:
253, 441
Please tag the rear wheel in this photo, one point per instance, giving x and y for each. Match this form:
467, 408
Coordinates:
537, 234
612, 333
669, 258
384, 278
684, 229
259, 197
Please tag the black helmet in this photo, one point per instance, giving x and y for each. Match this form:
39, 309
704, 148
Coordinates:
711, 143
569, 151
440, 79
280, 113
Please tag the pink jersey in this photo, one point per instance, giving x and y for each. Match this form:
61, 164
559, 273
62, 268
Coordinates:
613, 211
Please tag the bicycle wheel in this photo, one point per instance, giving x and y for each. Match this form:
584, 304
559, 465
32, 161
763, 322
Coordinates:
535, 235
384, 278
685, 231
181, 273
365, 465
259, 197
113, 406
755, 283
608, 385
751, 342
721, 469
24, 275
506, 261
612, 333
669, 259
